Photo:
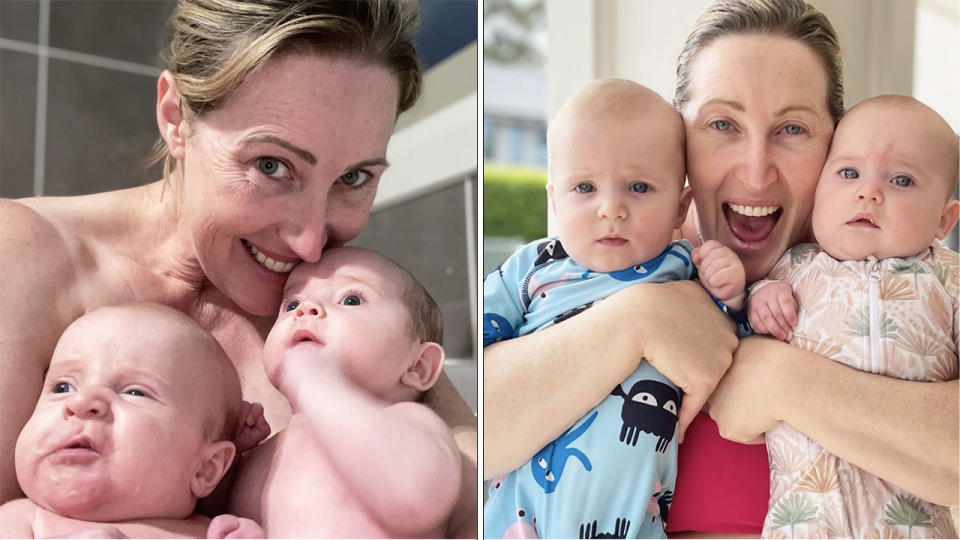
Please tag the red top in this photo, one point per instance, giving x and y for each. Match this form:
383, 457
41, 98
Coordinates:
722, 486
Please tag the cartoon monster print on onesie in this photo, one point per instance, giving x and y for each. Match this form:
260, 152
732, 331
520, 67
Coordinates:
650, 407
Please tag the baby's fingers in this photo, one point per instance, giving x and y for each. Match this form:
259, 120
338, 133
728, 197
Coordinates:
788, 306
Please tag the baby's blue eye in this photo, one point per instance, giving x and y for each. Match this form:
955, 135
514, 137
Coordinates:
62, 388
849, 174
584, 187
793, 129
721, 125
292, 305
351, 300
639, 187
135, 392
901, 180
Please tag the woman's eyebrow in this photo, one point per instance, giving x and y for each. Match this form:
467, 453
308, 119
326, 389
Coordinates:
368, 163
796, 108
718, 101
300, 152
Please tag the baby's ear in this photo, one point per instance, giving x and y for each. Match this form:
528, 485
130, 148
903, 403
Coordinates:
424, 370
215, 459
948, 218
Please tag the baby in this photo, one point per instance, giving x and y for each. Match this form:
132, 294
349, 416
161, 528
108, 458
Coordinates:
133, 426
877, 293
616, 162
356, 344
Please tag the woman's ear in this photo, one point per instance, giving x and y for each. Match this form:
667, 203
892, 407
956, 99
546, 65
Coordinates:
215, 459
424, 370
686, 196
169, 115
948, 218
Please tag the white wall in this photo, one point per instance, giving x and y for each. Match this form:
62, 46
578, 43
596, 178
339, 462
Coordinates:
889, 47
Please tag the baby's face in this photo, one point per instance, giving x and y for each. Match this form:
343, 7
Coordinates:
345, 310
615, 188
119, 424
884, 186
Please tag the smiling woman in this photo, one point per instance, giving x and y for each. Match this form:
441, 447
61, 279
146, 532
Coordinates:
275, 118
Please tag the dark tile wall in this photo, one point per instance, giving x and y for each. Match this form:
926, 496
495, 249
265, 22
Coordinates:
101, 122
426, 236
19, 19
101, 126
18, 101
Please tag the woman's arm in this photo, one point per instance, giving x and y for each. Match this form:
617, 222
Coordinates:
35, 289
444, 399
538, 385
905, 432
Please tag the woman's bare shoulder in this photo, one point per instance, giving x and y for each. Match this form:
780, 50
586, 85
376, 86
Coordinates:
35, 234
39, 263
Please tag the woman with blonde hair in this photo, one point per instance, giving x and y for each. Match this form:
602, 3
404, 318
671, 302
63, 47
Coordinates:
274, 118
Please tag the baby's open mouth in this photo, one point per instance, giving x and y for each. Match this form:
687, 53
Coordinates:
751, 223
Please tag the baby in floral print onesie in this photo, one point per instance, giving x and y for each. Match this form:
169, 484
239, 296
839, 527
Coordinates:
877, 293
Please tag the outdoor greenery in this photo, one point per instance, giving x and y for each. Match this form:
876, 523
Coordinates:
514, 201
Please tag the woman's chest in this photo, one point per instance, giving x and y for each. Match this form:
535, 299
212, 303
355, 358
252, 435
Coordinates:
243, 342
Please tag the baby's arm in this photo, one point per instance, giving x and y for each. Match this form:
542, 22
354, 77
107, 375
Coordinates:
773, 309
721, 273
16, 519
400, 457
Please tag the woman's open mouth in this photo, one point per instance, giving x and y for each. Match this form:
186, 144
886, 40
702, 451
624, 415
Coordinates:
751, 224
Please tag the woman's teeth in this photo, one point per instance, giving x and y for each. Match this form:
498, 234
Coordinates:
270, 264
754, 211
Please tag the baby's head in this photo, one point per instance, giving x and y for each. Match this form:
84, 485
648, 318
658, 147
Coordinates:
887, 186
616, 173
134, 419
362, 310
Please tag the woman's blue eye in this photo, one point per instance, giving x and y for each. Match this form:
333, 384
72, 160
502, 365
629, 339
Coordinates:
584, 187
351, 300
354, 178
272, 167
721, 125
849, 174
639, 187
62, 388
292, 305
901, 180
793, 129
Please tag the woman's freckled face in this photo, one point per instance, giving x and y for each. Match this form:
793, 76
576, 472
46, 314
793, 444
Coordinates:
286, 165
758, 129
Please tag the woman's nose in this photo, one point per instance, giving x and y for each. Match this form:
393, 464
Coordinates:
306, 231
87, 403
309, 309
760, 169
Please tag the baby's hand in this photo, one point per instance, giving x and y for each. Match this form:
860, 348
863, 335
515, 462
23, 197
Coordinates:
773, 310
721, 272
304, 369
252, 429
230, 526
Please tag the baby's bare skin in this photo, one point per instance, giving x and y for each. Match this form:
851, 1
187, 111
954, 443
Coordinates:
359, 457
24, 519
292, 487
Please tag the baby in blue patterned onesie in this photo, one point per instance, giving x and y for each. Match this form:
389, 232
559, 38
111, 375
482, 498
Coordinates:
616, 162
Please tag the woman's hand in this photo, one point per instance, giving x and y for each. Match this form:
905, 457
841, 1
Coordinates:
743, 403
538, 385
905, 432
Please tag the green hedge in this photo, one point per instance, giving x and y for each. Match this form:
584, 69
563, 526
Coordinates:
514, 201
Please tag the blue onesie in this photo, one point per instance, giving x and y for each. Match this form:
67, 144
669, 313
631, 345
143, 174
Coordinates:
612, 473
